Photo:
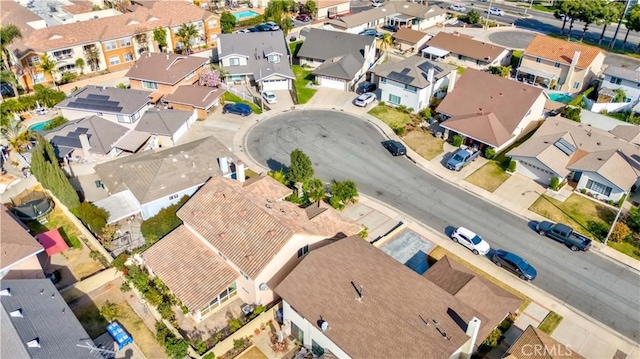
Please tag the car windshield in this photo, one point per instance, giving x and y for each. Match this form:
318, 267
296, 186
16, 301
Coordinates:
270, 95
476, 239
523, 265
363, 97
458, 158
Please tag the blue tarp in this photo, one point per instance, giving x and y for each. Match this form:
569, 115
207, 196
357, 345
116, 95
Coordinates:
118, 334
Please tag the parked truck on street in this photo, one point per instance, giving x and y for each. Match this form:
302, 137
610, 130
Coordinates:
565, 234
462, 157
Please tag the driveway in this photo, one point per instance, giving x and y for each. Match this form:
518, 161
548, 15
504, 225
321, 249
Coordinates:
338, 100
520, 190
285, 102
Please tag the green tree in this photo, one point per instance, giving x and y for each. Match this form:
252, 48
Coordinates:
8, 34
110, 311
186, 34
311, 8
609, 13
278, 12
386, 41
572, 113
94, 217
620, 96
162, 223
286, 24
571, 9
343, 193
160, 37
472, 17
301, 168
314, 188
590, 12
80, 65
15, 134
633, 22
227, 22
633, 219
279, 176
176, 348
502, 71
49, 66
46, 168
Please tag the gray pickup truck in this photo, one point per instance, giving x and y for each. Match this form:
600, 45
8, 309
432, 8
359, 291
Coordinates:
462, 157
565, 234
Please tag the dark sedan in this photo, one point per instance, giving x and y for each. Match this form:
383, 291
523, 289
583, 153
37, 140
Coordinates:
395, 148
237, 108
365, 87
264, 27
303, 18
392, 28
514, 264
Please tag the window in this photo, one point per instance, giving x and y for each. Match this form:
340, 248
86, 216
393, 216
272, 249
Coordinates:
213, 37
38, 77
173, 196
125, 42
234, 61
114, 60
538, 60
410, 88
599, 188
615, 80
576, 85
230, 292
126, 119
557, 64
316, 349
274, 58
150, 85
33, 61
128, 57
64, 54
244, 275
394, 99
212, 24
383, 80
110, 45
302, 251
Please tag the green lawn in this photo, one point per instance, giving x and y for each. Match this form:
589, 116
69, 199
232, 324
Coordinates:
294, 47
391, 116
303, 77
626, 248
545, 8
228, 96
489, 177
550, 322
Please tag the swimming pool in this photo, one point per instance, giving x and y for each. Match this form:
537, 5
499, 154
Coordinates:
245, 14
560, 97
39, 126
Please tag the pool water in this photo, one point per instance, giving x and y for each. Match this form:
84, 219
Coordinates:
245, 14
39, 126
560, 97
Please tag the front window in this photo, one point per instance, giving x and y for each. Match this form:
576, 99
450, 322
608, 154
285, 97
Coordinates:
394, 99
150, 85
64, 54
38, 77
128, 57
110, 45
33, 61
114, 60
213, 37
67, 68
538, 60
599, 188
302, 251
615, 80
125, 42
274, 58
410, 88
173, 196
234, 61
212, 24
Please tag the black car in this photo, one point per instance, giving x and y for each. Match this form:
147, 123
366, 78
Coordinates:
365, 87
395, 148
263, 27
237, 108
514, 264
254, 29
392, 28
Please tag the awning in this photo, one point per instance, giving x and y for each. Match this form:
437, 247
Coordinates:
435, 51
120, 205
607, 92
52, 241
132, 141
535, 72
401, 17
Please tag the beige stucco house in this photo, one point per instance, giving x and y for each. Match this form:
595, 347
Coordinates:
329, 9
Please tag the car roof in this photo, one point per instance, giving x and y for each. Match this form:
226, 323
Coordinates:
466, 232
563, 227
512, 257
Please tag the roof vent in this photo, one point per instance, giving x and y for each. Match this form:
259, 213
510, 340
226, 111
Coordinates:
174, 159
16, 313
34, 343
598, 143
323, 324
5, 292
268, 205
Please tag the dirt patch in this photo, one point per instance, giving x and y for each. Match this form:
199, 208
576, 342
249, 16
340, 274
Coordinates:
424, 144
253, 353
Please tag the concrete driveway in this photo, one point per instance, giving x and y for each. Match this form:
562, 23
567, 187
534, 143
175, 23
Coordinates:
339, 100
520, 190
285, 102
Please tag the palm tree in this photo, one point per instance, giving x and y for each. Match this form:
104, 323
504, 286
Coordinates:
15, 134
92, 54
49, 67
315, 190
385, 41
7, 35
10, 78
186, 34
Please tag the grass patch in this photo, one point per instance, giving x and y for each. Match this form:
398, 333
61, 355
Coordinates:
390, 116
625, 248
57, 219
516, 55
604, 46
303, 77
91, 320
228, 96
625, 117
250, 174
489, 177
550, 322
294, 47
545, 8
253, 353
424, 143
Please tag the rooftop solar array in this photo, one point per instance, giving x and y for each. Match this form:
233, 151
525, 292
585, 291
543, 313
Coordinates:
98, 103
396, 76
564, 146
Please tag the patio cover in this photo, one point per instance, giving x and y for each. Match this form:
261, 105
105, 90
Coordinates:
401, 17
435, 51
535, 72
120, 205
132, 141
52, 241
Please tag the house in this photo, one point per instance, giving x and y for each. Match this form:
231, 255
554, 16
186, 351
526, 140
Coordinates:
239, 238
406, 39
117, 105
166, 126
628, 133
620, 78
463, 50
339, 59
20, 251
488, 299
604, 165
257, 58
111, 43
163, 73
148, 181
201, 99
330, 9
560, 65
489, 110
533, 343
352, 300
412, 82
38, 323
402, 14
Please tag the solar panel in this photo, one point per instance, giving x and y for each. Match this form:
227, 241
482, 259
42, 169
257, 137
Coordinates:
400, 77
80, 130
95, 107
565, 146
97, 97
66, 142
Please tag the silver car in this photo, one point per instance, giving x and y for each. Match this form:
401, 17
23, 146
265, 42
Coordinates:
365, 99
269, 97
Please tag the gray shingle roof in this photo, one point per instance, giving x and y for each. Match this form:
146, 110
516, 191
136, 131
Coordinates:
256, 46
623, 73
106, 100
415, 70
162, 122
390, 8
45, 316
102, 134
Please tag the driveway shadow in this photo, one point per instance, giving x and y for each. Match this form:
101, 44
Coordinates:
446, 158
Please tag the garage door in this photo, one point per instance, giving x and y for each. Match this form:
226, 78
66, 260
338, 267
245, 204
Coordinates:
332, 83
534, 172
275, 85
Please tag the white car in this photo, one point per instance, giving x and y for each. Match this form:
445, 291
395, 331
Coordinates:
243, 31
495, 11
458, 8
272, 26
564, 17
474, 242
376, 4
365, 99
270, 97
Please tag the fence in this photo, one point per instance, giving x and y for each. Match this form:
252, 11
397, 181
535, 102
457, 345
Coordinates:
238, 93
608, 106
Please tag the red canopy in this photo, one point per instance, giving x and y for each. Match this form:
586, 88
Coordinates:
52, 241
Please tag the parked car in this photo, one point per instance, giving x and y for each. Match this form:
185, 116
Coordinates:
474, 242
390, 27
270, 97
241, 109
370, 32
564, 17
243, 31
565, 234
395, 148
514, 264
462, 157
495, 11
376, 3
254, 29
303, 18
365, 87
365, 99
272, 26
263, 27
458, 8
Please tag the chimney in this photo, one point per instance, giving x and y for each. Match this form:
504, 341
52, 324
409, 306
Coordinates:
218, 44
473, 328
240, 171
430, 76
166, 56
223, 162
452, 80
366, 50
84, 141
572, 68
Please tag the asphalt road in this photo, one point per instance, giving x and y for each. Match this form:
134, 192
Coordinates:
344, 147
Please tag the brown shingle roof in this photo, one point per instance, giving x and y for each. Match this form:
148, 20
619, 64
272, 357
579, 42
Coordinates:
466, 46
165, 68
487, 107
549, 348
409, 35
79, 7
189, 268
562, 51
16, 14
493, 302
628, 133
248, 223
15, 242
195, 95
389, 320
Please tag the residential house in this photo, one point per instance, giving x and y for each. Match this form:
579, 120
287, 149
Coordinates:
108, 43
489, 110
603, 164
37, 323
117, 105
239, 238
339, 59
412, 82
403, 14
620, 78
560, 65
201, 99
331, 9
409, 40
166, 126
351, 286
258, 58
148, 181
463, 50
20, 251
533, 343
163, 73
628, 133
487, 298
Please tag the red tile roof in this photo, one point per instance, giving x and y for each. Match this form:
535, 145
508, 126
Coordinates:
562, 51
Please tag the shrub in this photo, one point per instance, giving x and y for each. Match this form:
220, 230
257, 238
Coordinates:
492, 341
382, 103
94, 217
110, 311
633, 219
425, 113
66, 78
583, 191
125, 287
251, 21
598, 229
162, 332
119, 261
457, 140
55, 122
489, 153
238, 343
164, 308
620, 232
621, 200
400, 131
513, 165
555, 182
162, 223
364, 233
410, 110
402, 108
572, 113
200, 346
210, 355
234, 325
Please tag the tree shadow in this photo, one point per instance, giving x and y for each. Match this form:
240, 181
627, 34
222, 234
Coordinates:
276, 165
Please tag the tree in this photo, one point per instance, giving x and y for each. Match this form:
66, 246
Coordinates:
8, 34
92, 54
590, 12
343, 193
210, 78
94, 217
227, 22
633, 219
186, 34
278, 12
314, 188
609, 13
176, 348
110, 311
386, 41
572, 113
15, 134
571, 10
502, 71
633, 22
45, 166
620, 232
48, 66
311, 8
160, 37
473, 17
80, 65
279, 176
286, 24
620, 96
301, 168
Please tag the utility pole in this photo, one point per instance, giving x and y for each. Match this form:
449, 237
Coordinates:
261, 97
613, 225
486, 25
615, 34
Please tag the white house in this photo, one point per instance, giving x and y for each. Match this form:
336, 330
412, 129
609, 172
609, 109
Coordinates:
412, 82
329, 9
622, 78
403, 14
463, 50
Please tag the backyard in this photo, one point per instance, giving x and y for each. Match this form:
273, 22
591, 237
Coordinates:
489, 177
424, 143
253, 353
303, 78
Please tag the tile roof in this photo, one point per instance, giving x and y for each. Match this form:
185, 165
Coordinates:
465, 45
133, 141
16, 14
157, 173
96, 99
165, 68
102, 134
15, 242
390, 319
499, 104
250, 223
202, 97
623, 73
409, 35
414, 70
191, 270
493, 302
321, 4
157, 121
562, 51
628, 133
78, 7
535, 338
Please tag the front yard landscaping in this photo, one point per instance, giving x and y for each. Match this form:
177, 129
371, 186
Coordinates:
550, 322
391, 116
424, 143
489, 177
228, 96
303, 78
